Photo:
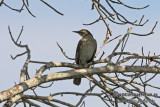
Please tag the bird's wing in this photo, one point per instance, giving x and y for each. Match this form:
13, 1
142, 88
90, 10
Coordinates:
79, 46
95, 49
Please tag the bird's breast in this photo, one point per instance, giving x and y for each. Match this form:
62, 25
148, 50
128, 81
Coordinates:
86, 51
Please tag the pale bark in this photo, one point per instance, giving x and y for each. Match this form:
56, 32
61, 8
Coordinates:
69, 74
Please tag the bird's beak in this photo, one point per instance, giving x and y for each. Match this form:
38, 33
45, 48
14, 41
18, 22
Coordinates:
76, 32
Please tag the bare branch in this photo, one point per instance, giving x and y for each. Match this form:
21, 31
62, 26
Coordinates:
111, 92
38, 62
31, 103
49, 98
76, 93
27, 3
64, 52
104, 43
1, 2
93, 21
120, 41
12, 100
130, 6
101, 55
28, 9
69, 74
19, 34
152, 31
17, 10
18, 55
102, 17
25, 66
24, 70
81, 99
46, 86
51, 7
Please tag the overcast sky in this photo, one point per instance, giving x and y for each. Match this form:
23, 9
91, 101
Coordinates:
42, 33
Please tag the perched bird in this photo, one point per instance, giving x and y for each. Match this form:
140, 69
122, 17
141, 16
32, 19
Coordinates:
86, 50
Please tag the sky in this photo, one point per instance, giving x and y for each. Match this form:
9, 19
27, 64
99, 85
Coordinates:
42, 33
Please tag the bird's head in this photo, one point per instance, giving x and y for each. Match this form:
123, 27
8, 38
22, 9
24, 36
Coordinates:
83, 32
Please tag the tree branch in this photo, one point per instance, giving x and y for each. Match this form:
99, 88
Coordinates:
69, 74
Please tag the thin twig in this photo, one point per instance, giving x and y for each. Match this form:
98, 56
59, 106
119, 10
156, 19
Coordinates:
17, 10
152, 31
81, 99
28, 9
64, 52
104, 43
19, 34
101, 55
18, 55
51, 7
46, 86
132, 7
102, 17
1, 2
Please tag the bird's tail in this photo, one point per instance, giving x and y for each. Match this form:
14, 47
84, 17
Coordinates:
77, 81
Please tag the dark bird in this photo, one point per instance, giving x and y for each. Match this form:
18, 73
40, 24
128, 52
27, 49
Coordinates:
86, 50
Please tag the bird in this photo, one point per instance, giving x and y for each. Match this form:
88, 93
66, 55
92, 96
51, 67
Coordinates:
85, 51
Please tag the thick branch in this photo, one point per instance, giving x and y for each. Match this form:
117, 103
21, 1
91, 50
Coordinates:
69, 74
